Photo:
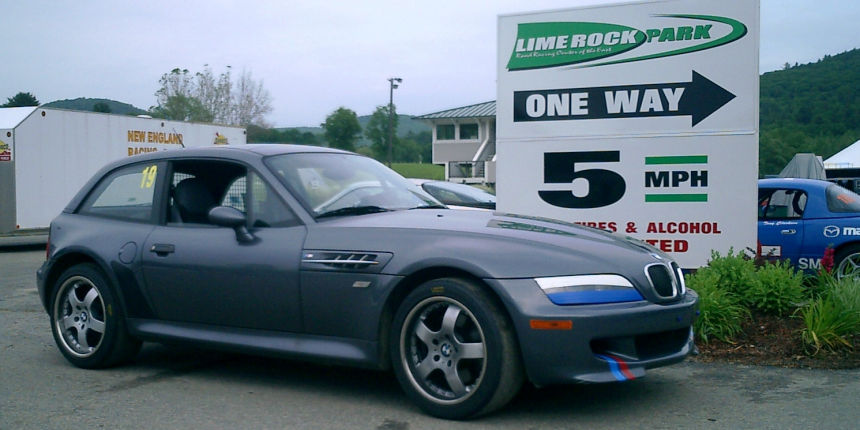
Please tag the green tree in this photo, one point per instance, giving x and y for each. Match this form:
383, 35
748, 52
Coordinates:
257, 134
206, 97
182, 108
812, 107
406, 150
101, 107
376, 131
342, 129
424, 140
21, 99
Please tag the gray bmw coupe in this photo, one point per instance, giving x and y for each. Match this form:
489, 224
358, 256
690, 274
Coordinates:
324, 255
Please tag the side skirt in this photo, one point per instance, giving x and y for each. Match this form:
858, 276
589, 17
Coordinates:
326, 349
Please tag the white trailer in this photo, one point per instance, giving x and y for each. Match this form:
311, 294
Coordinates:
47, 154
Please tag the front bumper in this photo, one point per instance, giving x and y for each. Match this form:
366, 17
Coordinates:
607, 342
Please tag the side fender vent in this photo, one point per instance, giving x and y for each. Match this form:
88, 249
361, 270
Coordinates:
344, 260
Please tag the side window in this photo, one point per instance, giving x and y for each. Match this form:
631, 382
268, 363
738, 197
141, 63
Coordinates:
782, 204
468, 131
197, 186
200, 185
124, 194
237, 194
267, 209
445, 132
763, 200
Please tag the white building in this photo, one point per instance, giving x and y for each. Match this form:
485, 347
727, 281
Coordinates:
464, 141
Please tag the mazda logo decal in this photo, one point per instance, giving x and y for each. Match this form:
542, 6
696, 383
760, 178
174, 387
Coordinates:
831, 231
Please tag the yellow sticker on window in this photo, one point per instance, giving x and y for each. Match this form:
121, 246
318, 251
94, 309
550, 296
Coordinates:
148, 177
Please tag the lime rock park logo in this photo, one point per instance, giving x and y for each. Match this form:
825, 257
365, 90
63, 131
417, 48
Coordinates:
583, 44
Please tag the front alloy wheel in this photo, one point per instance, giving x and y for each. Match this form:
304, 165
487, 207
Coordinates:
453, 349
443, 350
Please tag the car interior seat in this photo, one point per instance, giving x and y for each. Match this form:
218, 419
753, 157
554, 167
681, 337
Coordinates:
194, 200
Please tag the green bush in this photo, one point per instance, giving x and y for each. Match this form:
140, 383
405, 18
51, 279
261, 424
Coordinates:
777, 290
736, 273
730, 286
833, 317
720, 311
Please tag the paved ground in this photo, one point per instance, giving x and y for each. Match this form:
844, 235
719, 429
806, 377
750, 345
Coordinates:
167, 388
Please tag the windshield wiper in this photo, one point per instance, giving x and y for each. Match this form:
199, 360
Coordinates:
430, 206
353, 210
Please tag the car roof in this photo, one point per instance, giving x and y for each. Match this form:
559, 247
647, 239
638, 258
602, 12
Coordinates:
795, 182
262, 149
233, 152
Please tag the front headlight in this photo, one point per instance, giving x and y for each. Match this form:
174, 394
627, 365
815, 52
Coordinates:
588, 289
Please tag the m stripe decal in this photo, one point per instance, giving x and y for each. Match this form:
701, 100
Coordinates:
618, 367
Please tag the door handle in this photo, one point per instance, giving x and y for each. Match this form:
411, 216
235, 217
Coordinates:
788, 231
162, 249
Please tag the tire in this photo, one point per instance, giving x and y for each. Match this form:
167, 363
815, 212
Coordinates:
87, 320
453, 350
847, 262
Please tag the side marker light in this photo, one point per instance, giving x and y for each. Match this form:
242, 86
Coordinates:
551, 324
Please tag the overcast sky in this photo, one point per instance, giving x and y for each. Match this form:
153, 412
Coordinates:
314, 56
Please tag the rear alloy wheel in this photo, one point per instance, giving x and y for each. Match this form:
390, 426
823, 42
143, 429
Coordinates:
455, 354
848, 263
87, 322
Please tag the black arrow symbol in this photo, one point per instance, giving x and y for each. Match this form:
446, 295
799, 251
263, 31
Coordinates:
698, 98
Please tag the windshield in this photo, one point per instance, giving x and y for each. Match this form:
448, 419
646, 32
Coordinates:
458, 194
841, 200
332, 183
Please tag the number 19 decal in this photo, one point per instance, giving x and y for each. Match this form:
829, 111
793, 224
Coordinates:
605, 187
148, 176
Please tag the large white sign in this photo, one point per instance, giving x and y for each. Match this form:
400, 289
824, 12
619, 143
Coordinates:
636, 118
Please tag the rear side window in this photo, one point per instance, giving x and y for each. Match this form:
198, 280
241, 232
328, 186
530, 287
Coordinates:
841, 200
125, 194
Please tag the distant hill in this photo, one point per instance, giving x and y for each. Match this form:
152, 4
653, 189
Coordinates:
405, 125
88, 104
811, 107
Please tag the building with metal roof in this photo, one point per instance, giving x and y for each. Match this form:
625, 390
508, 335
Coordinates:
480, 110
464, 141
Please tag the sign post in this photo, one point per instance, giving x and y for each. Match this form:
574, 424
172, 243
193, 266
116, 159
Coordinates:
638, 118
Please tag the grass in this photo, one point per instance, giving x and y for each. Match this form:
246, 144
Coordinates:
420, 170
834, 316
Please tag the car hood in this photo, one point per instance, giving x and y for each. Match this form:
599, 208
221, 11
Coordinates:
486, 244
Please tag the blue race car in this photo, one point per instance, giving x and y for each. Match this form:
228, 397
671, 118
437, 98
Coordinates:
798, 219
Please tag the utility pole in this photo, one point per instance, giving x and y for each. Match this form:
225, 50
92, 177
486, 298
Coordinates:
393, 84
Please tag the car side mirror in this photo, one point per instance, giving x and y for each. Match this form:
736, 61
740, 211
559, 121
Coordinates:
225, 216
